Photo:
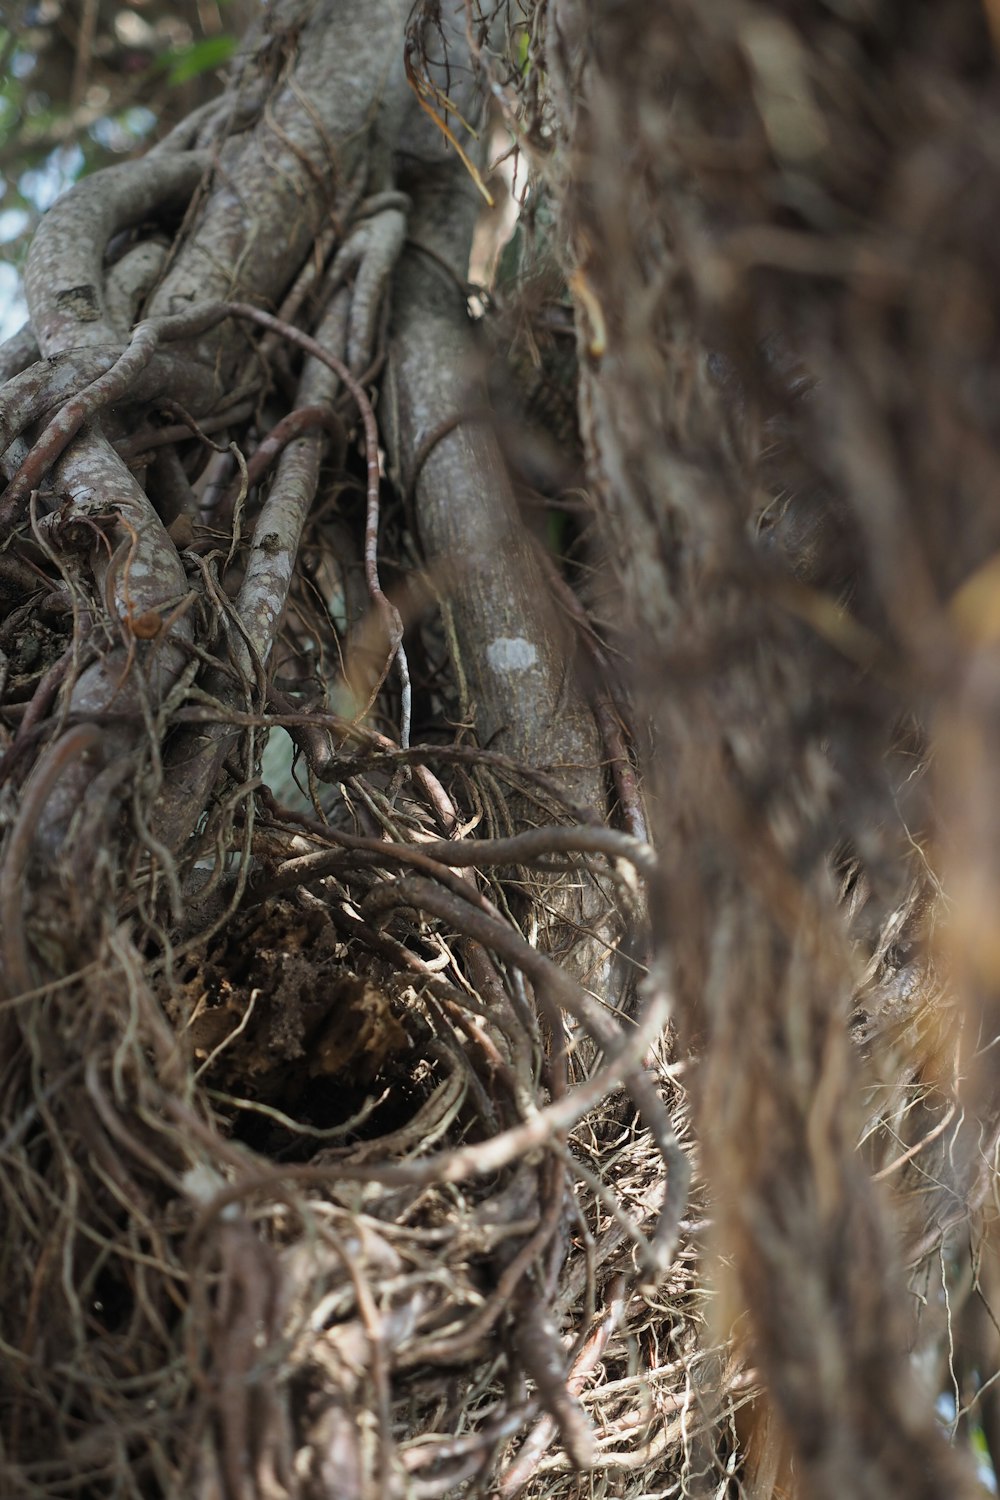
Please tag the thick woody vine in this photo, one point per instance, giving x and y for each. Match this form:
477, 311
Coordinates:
283, 1043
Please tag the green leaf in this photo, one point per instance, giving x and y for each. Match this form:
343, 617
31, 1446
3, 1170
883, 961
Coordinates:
188, 62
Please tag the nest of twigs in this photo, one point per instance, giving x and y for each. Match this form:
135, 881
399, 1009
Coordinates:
319, 1176
290, 1203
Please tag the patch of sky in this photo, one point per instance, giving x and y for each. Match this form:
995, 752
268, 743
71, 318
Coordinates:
43, 185
124, 131
40, 187
13, 221
21, 63
12, 306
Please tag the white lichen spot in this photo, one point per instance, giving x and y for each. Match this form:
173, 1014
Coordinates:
511, 653
201, 1183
